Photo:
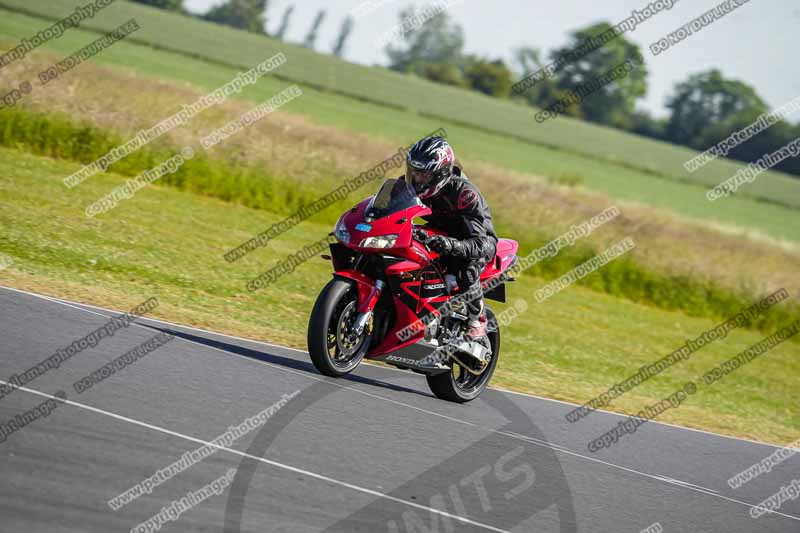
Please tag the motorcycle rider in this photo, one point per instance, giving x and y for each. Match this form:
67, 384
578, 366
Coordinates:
461, 212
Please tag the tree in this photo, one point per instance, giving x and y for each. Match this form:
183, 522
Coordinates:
792, 165
436, 41
527, 61
642, 123
611, 103
169, 5
284, 22
707, 100
444, 74
767, 141
489, 77
311, 38
707, 109
344, 34
249, 15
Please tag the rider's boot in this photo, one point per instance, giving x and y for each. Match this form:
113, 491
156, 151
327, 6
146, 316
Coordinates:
477, 350
478, 333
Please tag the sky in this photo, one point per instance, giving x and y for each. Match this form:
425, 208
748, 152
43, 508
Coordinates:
753, 44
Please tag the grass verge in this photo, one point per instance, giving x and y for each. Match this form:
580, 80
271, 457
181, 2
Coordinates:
168, 243
49, 135
621, 175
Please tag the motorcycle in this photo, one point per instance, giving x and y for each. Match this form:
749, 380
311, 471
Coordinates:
390, 301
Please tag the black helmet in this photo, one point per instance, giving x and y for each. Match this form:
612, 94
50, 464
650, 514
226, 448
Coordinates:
429, 166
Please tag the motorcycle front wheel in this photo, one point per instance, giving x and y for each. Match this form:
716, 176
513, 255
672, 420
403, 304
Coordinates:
334, 348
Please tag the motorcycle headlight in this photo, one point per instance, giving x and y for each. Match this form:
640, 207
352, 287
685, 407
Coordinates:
341, 233
379, 241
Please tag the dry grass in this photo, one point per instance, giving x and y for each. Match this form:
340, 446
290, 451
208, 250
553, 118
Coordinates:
290, 146
735, 258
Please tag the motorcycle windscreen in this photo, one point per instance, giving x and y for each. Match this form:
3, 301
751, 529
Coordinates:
393, 196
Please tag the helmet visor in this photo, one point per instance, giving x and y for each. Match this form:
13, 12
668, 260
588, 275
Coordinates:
420, 179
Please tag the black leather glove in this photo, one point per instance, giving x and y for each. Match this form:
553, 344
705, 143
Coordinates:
421, 235
443, 245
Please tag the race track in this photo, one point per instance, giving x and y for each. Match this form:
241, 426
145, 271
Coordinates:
374, 452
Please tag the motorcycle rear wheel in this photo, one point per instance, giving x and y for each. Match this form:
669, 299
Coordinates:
460, 386
334, 350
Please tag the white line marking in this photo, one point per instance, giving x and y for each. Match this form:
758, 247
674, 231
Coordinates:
387, 367
530, 440
263, 460
686, 483
665, 479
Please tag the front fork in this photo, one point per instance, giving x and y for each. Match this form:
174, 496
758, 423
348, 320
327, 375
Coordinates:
369, 291
366, 308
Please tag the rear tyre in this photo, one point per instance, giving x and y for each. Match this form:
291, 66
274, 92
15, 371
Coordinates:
460, 386
334, 349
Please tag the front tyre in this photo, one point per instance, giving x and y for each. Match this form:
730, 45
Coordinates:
460, 386
332, 345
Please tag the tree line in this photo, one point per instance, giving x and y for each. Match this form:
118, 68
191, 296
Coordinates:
251, 15
703, 110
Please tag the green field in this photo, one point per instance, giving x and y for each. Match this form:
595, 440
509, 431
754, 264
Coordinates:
473, 145
700, 284
695, 262
168, 243
519, 141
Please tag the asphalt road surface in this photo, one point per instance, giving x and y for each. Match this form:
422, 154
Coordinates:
374, 452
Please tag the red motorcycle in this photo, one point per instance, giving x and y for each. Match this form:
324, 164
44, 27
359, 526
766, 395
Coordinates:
390, 301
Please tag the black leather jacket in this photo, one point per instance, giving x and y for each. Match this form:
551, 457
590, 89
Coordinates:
461, 212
